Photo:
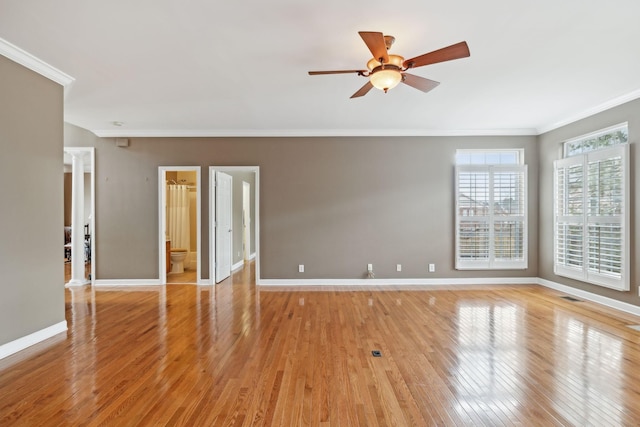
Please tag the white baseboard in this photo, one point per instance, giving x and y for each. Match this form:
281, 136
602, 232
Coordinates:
127, 282
31, 339
589, 296
77, 284
252, 257
400, 282
237, 265
608, 302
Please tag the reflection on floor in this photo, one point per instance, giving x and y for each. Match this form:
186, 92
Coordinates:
243, 354
241, 275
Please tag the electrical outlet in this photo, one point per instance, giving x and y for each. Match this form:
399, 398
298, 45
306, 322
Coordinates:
432, 268
301, 268
398, 267
369, 268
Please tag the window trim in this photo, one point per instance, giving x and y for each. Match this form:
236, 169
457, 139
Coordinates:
492, 263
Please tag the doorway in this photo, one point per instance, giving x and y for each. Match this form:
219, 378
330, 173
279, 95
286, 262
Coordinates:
79, 216
223, 183
234, 232
179, 198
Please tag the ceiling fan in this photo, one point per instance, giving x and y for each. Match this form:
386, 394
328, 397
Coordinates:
386, 71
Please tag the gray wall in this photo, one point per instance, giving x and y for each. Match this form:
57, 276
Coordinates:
31, 211
333, 204
550, 150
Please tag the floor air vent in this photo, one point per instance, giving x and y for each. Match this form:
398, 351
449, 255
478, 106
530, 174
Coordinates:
572, 299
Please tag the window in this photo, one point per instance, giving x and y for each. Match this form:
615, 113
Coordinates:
491, 209
591, 221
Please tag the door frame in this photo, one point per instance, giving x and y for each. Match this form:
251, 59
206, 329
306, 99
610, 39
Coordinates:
256, 224
162, 219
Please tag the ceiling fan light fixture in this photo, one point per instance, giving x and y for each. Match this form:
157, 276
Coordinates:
385, 78
385, 71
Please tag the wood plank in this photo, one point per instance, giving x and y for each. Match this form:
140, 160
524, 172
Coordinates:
236, 354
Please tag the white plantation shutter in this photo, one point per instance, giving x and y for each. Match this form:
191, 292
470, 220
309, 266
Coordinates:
491, 220
591, 226
569, 225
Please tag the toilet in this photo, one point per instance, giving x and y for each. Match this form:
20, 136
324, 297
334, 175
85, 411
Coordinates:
177, 260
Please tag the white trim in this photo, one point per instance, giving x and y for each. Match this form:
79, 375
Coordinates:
77, 283
29, 61
606, 301
28, 340
231, 133
615, 102
252, 256
237, 265
127, 282
401, 282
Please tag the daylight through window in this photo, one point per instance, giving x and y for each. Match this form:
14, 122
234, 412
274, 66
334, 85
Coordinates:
491, 209
591, 221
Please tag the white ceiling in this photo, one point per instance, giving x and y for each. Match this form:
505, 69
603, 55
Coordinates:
209, 68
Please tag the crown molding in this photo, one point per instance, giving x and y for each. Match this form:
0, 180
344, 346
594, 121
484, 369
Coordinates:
615, 102
268, 133
29, 61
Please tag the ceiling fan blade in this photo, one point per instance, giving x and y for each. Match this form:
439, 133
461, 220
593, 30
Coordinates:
363, 90
419, 83
375, 43
455, 51
316, 73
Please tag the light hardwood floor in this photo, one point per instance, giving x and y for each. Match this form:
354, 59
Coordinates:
237, 354
188, 277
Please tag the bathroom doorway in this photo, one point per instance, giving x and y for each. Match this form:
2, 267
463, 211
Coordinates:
179, 224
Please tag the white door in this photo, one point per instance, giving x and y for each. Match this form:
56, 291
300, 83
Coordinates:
223, 226
246, 220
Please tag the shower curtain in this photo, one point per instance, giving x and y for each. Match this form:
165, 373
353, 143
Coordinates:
178, 216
